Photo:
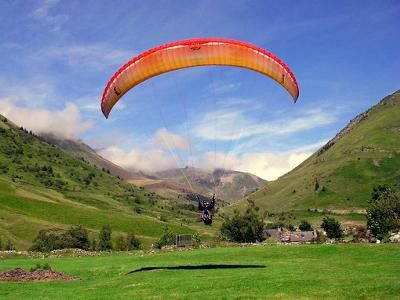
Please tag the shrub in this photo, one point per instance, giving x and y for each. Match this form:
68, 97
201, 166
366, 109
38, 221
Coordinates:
52, 239
383, 211
332, 227
38, 266
77, 237
48, 240
163, 218
275, 225
305, 226
105, 238
121, 244
247, 227
3, 169
196, 239
137, 210
321, 238
361, 235
133, 243
167, 238
94, 245
316, 185
9, 246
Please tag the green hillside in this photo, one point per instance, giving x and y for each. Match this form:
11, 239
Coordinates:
79, 149
41, 186
340, 176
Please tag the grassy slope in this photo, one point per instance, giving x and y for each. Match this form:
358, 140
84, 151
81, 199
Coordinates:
33, 197
293, 271
79, 149
367, 155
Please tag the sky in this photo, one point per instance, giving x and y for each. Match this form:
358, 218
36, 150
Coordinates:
57, 56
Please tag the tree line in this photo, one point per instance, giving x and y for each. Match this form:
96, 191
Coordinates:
78, 237
383, 218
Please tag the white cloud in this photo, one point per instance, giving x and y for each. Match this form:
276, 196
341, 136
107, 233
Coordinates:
170, 141
135, 159
43, 13
265, 165
269, 166
65, 123
93, 103
312, 147
243, 103
39, 89
91, 106
213, 160
105, 138
219, 87
155, 154
44, 7
96, 55
235, 125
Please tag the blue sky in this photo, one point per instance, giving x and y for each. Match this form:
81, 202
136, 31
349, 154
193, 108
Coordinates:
57, 56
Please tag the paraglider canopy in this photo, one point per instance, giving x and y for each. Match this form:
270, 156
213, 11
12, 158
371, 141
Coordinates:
191, 53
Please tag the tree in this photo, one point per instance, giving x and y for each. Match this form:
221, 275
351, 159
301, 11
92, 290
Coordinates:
305, 226
332, 227
244, 228
316, 185
121, 244
9, 246
52, 239
196, 239
48, 240
383, 211
105, 238
167, 238
275, 225
78, 237
133, 242
94, 245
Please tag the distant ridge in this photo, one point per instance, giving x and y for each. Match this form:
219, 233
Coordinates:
80, 149
228, 185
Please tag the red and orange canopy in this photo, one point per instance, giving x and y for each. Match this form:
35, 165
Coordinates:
191, 53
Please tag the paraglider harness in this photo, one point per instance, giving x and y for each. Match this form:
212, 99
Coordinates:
206, 207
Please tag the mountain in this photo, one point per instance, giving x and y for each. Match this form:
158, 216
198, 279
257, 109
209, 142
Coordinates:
80, 149
340, 176
42, 186
228, 185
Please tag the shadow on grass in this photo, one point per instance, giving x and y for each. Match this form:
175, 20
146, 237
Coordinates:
197, 267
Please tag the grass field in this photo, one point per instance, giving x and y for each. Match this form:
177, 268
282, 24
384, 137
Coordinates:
287, 271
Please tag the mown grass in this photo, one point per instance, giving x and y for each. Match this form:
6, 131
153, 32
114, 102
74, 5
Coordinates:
291, 271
